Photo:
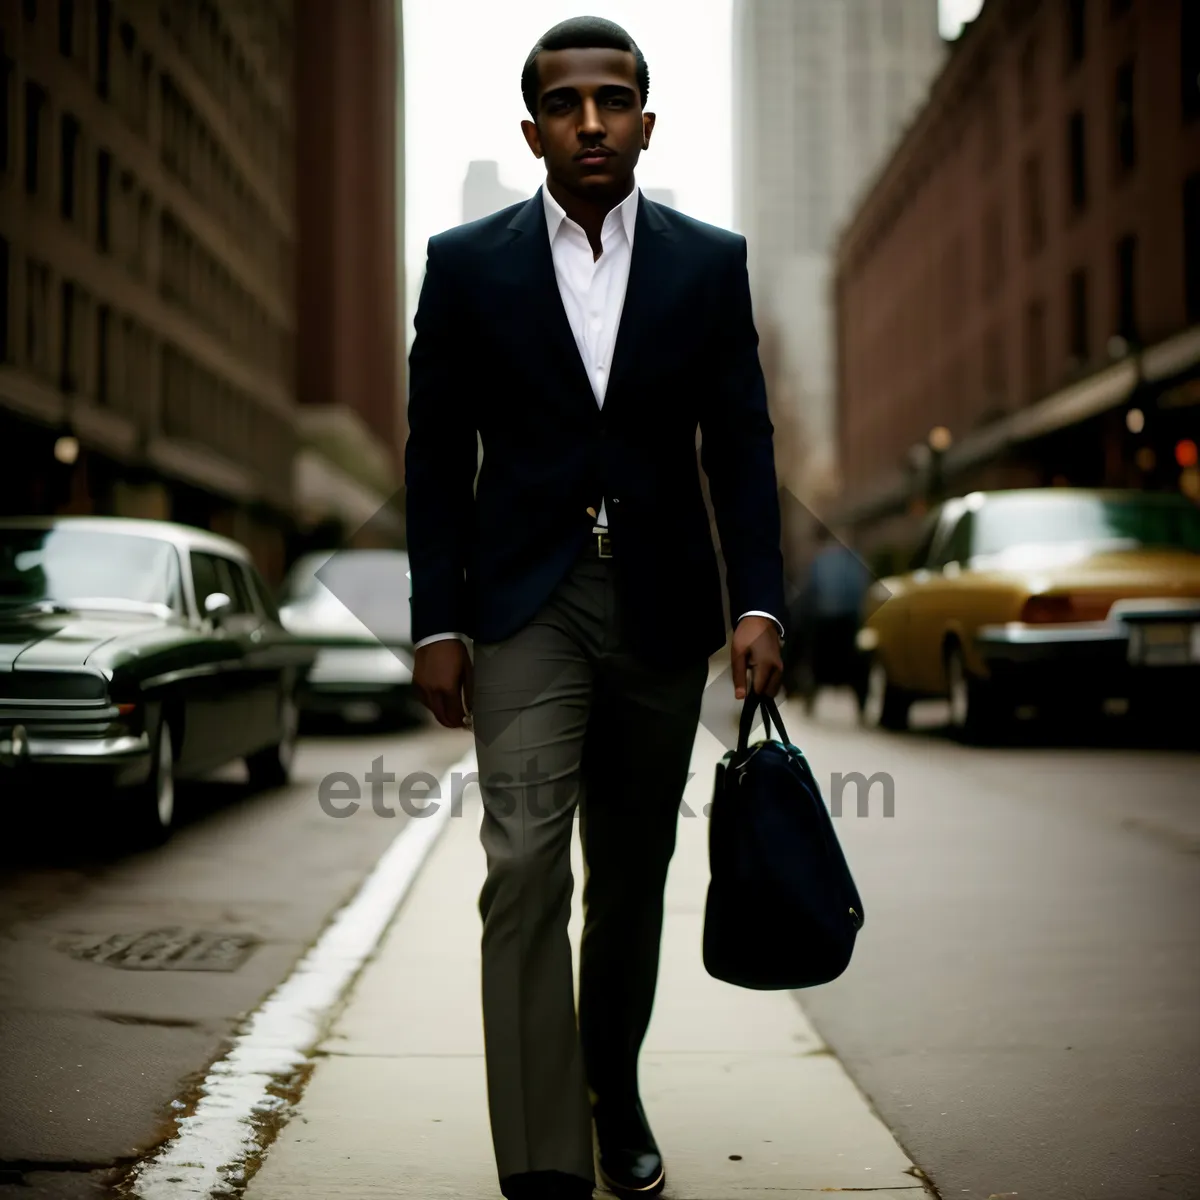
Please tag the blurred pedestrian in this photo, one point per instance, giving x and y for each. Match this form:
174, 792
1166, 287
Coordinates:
581, 567
826, 620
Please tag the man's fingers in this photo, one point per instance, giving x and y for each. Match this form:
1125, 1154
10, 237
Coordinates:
739, 674
447, 708
772, 677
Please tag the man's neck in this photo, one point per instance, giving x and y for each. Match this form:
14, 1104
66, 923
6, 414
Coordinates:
588, 214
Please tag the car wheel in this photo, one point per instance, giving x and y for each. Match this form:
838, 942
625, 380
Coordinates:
975, 710
272, 766
883, 705
150, 806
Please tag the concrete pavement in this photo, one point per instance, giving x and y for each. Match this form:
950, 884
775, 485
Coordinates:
744, 1097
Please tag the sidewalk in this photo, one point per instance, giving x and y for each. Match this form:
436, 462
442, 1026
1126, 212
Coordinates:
746, 1102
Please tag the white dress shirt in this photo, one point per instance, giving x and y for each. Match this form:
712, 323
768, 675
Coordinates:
593, 294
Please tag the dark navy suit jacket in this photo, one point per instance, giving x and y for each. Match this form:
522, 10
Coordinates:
494, 353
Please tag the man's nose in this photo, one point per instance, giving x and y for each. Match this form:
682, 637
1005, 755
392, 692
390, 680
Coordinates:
590, 124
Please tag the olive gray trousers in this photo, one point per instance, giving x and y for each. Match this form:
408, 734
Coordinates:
568, 722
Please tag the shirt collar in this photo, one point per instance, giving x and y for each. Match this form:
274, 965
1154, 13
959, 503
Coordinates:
626, 210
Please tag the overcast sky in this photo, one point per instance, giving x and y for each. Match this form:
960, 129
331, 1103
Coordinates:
463, 62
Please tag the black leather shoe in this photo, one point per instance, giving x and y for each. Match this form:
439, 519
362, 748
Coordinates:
630, 1163
546, 1185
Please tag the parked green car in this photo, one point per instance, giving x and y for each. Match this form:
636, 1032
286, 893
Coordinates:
133, 654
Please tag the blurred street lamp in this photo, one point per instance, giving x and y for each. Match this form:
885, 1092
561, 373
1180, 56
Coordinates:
66, 450
1146, 459
940, 439
1189, 483
1186, 453
1135, 420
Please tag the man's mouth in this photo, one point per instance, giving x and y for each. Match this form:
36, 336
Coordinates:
593, 155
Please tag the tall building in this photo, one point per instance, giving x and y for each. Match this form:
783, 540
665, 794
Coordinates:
146, 258
821, 91
351, 361
483, 193
1023, 277
151, 346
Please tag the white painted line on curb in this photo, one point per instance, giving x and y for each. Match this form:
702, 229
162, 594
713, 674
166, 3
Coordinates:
207, 1156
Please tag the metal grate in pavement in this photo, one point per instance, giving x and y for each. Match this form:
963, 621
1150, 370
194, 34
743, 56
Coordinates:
163, 950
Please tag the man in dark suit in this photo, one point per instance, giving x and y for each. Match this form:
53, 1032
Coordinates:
584, 336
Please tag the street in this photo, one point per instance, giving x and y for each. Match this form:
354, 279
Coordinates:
93, 1058
1021, 1010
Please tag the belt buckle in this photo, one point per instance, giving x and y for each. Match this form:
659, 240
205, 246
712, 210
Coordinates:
603, 543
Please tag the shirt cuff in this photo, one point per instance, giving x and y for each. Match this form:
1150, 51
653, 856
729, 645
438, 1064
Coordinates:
439, 637
756, 613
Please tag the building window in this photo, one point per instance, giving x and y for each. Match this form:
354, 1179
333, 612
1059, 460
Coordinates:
1035, 349
104, 201
893, 23
68, 378
5, 314
1029, 80
1077, 162
35, 104
103, 327
1077, 308
1076, 31
70, 162
1191, 245
1189, 50
37, 317
1126, 142
991, 131
1126, 313
66, 28
1035, 220
993, 252
994, 381
104, 20
7, 78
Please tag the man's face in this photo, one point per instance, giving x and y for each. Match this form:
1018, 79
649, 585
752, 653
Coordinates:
590, 126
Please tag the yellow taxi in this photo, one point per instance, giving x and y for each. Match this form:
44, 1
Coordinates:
1049, 597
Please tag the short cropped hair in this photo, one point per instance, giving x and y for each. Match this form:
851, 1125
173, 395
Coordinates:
581, 33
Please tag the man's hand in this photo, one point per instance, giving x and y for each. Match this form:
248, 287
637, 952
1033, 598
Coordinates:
756, 649
444, 679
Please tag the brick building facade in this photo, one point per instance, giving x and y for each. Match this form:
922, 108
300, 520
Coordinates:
149, 255
1025, 269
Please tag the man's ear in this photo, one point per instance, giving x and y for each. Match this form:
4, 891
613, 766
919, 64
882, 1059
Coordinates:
647, 129
532, 137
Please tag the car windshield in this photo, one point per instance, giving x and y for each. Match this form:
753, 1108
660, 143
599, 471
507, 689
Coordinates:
82, 567
372, 585
1151, 520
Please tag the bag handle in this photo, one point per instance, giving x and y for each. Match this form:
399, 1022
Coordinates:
755, 701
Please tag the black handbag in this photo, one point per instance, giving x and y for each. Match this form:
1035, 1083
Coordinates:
782, 909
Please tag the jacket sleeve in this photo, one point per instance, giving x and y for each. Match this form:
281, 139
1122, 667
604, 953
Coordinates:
738, 456
440, 458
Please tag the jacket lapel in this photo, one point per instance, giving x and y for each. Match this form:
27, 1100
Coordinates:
532, 270
650, 272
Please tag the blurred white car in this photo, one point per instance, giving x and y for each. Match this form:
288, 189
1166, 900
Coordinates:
353, 606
